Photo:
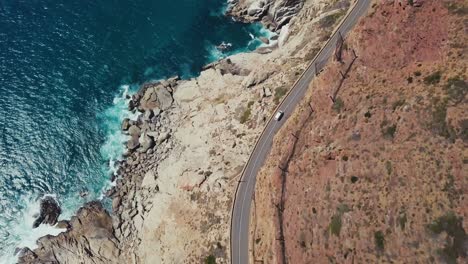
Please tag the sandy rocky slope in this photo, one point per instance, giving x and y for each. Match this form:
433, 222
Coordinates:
379, 175
174, 189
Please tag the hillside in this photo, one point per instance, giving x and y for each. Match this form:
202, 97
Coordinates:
372, 167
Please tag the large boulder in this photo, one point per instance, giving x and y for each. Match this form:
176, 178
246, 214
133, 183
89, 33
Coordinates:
146, 142
125, 124
49, 213
134, 132
156, 97
90, 239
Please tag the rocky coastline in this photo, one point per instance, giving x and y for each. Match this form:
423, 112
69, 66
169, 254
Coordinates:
173, 189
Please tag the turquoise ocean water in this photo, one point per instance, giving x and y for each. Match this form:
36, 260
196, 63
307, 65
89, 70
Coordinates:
65, 68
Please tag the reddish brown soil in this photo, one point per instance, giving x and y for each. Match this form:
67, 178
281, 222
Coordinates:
381, 175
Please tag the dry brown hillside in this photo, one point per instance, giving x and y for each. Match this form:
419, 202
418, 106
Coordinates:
381, 174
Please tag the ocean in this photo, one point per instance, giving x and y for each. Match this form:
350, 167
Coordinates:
65, 70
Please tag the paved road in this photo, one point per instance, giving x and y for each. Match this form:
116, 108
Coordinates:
243, 199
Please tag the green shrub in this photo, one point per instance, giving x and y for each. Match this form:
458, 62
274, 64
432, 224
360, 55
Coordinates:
464, 130
402, 220
433, 78
335, 225
379, 240
456, 89
398, 103
388, 166
389, 131
330, 20
279, 93
438, 123
210, 260
455, 242
245, 116
456, 8
338, 105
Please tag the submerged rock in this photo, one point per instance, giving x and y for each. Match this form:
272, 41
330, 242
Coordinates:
50, 211
224, 46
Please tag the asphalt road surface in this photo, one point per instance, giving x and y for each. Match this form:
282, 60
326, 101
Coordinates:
243, 199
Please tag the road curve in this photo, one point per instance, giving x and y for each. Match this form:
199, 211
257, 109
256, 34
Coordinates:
243, 198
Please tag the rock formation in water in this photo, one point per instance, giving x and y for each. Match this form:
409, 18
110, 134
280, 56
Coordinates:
89, 239
49, 212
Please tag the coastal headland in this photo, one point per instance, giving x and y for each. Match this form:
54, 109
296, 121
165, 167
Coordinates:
174, 188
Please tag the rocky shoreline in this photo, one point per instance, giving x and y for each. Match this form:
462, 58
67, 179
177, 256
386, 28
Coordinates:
174, 188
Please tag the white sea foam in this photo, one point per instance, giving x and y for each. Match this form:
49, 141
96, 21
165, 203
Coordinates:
220, 11
21, 232
214, 53
259, 31
114, 145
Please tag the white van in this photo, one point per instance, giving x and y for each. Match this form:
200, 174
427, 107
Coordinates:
279, 115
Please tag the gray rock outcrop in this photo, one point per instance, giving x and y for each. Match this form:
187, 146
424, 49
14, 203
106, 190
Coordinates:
90, 239
50, 211
273, 13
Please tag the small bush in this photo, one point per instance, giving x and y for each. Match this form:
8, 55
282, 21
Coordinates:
245, 116
455, 244
303, 244
402, 220
279, 93
398, 103
379, 240
417, 73
354, 179
456, 89
409, 79
456, 9
433, 78
210, 260
367, 114
389, 132
335, 225
464, 130
330, 20
439, 124
450, 189
338, 105
388, 167
249, 105
343, 208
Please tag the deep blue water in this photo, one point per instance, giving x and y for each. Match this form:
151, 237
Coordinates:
64, 69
